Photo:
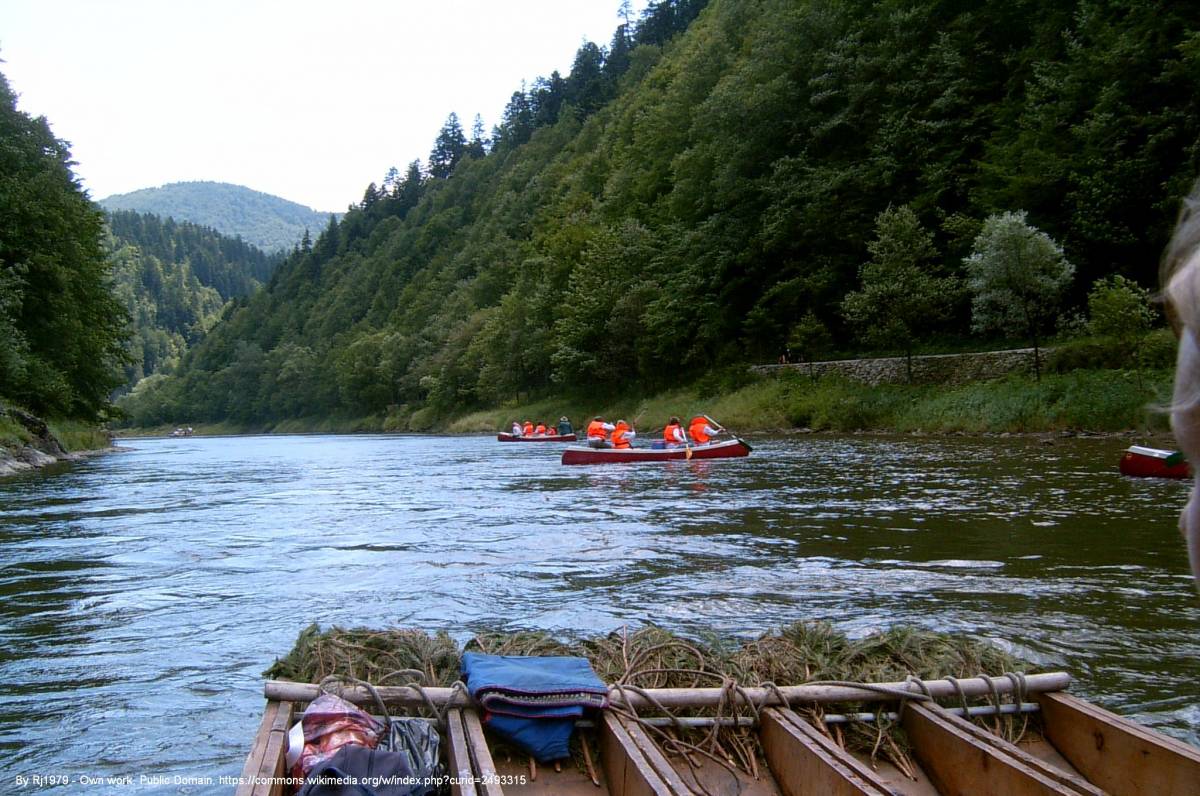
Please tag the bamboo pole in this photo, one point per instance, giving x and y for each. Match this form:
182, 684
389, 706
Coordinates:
285, 691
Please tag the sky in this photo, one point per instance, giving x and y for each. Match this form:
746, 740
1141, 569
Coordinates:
309, 100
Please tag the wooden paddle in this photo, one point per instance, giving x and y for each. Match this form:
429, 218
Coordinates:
718, 426
727, 431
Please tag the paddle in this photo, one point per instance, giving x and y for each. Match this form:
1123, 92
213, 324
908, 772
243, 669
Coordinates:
727, 431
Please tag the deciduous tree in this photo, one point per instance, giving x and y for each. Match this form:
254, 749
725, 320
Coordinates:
1017, 275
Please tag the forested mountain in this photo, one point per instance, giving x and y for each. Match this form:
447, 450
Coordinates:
690, 194
174, 279
265, 221
61, 330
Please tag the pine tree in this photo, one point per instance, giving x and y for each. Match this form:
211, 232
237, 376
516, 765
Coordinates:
448, 149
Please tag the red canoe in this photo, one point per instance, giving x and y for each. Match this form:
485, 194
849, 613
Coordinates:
713, 450
503, 437
1154, 463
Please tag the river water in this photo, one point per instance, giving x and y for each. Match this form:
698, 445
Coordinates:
145, 591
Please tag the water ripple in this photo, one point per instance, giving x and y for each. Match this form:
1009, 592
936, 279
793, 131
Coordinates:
145, 592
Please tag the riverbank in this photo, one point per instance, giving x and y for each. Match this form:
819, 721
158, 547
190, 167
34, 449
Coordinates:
1091, 401
1079, 401
27, 442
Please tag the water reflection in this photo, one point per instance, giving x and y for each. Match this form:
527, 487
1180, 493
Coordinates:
145, 592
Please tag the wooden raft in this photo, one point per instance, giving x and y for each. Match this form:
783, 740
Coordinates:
1087, 751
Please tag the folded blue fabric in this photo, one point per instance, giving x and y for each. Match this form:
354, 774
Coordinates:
545, 739
533, 702
531, 687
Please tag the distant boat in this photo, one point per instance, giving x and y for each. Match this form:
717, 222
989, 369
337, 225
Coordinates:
182, 432
714, 450
1144, 462
505, 437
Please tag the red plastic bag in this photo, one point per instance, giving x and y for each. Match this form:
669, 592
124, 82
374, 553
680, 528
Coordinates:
330, 723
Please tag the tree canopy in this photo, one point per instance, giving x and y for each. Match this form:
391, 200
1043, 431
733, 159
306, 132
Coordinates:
61, 329
687, 195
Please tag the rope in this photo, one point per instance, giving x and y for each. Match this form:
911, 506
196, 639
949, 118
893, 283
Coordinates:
345, 678
962, 695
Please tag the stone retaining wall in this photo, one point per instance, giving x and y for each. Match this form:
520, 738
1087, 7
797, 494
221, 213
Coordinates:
936, 369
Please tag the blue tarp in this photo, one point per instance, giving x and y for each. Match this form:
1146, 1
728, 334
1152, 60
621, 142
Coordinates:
533, 701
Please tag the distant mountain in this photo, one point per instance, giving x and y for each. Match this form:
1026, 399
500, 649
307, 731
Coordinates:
268, 222
174, 278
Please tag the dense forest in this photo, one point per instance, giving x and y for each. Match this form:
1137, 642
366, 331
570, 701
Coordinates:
174, 279
61, 329
721, 179
262, 220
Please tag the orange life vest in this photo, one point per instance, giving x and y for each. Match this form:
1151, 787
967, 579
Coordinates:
618, 436
596, 429
669, 434
528, 429
696, 430
541, 429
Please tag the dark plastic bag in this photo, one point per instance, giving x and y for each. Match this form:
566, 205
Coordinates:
358, 771
419, 742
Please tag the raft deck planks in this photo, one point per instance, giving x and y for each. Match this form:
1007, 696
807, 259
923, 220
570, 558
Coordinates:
1087, 751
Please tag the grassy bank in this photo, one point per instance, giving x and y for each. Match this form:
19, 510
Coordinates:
1079, 400
75, 436
1084, 400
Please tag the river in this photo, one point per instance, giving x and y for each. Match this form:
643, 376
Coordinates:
146, 590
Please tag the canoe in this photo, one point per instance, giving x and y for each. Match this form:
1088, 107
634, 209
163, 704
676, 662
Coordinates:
1080, 748
713, 450
506, 437
1154, 463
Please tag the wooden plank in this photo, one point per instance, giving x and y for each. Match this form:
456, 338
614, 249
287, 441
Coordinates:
958, 762
654, 756
1069, 779
266, 759
626, 769
806, 762
274, 758
691, 697
1117, 754
481, 756
461, 772
257, 750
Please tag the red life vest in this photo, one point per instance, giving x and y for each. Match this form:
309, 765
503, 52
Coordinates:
669, 434
696, 430
618, 436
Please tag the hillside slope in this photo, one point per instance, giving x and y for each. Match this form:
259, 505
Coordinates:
687, 196
265, 221
174, 279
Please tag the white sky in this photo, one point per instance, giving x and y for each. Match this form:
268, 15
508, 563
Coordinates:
309, 100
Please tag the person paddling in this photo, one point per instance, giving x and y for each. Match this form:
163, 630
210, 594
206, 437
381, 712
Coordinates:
516, 429
527, 429
622, 436
597, 431
700, 431
673, 434
540, 430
